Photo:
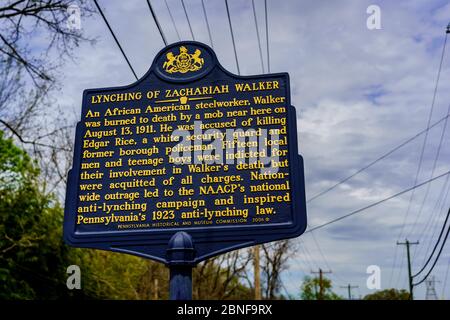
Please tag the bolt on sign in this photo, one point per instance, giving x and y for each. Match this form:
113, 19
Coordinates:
188, 148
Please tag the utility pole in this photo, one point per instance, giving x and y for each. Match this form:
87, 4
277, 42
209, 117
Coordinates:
321, 273
349, 289
257, 272
410, 278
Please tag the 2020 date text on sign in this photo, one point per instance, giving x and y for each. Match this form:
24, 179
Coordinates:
187, 163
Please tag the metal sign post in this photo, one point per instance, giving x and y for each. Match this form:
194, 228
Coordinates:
180, 257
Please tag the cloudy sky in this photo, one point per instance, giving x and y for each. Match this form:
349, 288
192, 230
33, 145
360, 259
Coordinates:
358, 94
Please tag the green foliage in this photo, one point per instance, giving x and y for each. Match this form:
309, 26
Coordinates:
310, 289
30, 249
388, 294
16, 167
110, 275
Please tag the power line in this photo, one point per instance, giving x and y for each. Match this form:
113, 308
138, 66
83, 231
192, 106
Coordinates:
187, 18
436, 158
377, 202
207, 24
173, 21
425, 197
435, 246
436, 260
257, 34
267, 35
432, 220
115, 38
444, 129
427, 231
308, 255
422, 152
320, 250
325, 259
157, 22
306, 262
232, 37
438, 207
377, 160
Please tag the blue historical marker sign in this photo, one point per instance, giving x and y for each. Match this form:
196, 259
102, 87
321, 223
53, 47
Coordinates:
189, 149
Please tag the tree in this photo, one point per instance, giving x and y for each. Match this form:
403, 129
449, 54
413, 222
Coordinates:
311, 286
388, 294
29, 76
23, 19
274, 261
30, 249
221, 277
